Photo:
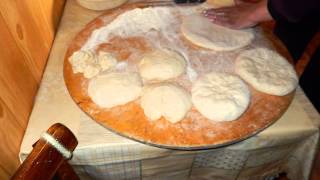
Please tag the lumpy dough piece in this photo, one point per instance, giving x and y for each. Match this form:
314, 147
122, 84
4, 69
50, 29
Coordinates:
159, 65
266, 71
200, 31
220, 96
107, 61
91, 70
80, 60
88, 63
114, 88
165, 99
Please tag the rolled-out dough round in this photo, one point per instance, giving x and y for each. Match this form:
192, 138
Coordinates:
114, 88
266, 71
165, 99
160, 65
220, 96
200, 31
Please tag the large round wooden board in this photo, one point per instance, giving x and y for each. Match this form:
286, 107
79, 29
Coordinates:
193, 132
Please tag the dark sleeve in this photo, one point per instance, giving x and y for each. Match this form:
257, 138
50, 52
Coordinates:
294, 10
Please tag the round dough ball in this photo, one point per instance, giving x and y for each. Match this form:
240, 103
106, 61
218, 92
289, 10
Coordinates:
200, 31
160, 65
115, 88
167, 100
266, 71
220, 96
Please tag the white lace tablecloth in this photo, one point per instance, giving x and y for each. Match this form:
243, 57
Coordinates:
289, 145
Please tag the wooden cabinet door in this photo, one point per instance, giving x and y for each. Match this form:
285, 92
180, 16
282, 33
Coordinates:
27, 29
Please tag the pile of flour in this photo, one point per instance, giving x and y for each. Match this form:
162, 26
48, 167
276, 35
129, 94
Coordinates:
132, 23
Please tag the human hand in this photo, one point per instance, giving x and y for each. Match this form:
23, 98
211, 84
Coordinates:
242, 15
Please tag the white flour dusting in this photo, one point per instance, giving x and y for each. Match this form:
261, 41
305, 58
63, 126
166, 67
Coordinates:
147, 22
160, 27
131, 23
121, 65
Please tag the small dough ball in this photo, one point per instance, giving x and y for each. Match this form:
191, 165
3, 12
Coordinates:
165, 99
106, 61
220, 96
80, 60
114, 88
266, 71
160, 65
200, 31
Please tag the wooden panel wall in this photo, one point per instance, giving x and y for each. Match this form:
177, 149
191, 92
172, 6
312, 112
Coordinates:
27, 29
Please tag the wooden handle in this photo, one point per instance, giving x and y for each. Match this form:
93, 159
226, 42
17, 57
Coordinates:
44, 160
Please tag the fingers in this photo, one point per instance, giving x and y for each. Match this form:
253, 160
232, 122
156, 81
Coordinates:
220, 19
217, 11
236, 17
230, 21
224, 19
218, 15
215, 14
214, 18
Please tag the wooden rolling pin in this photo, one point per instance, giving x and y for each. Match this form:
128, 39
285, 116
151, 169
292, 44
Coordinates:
46, 160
